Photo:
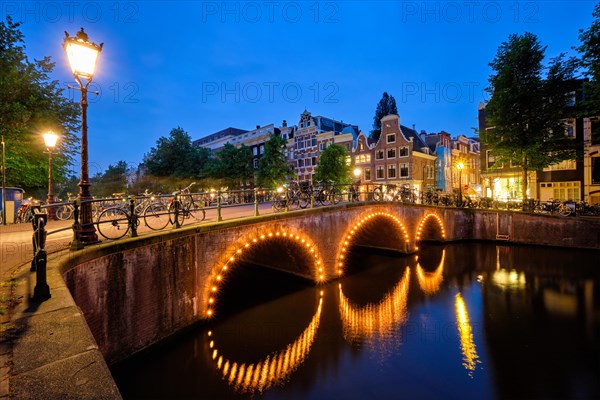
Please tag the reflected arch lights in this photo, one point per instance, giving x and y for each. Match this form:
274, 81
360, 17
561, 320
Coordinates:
347, 239
424, 221
302, 241
376, 321
430, 282
275, 368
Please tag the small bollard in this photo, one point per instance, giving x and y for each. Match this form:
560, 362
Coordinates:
312, 199
287, 199
41, 291
176, 206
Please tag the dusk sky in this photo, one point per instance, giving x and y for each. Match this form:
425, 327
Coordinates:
206, 66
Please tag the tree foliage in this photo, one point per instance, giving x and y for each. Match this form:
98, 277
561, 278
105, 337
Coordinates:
272, 167
31, 103
232, 165
176, 156
113, 180
333, 165
386, 106
527, 109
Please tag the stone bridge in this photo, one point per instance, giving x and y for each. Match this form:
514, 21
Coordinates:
139, 291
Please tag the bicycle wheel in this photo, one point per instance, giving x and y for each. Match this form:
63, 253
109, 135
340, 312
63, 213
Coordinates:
113, 223
323, 197
182, 213
377, 194
196, 212
278, 204
336, 196
304, 200
156, 216
564, 211
64, 212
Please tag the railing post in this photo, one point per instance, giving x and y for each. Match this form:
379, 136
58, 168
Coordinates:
287, 199
133, 218
312, 199
176, 206
41, 291
219, 216
75, 243
256, 202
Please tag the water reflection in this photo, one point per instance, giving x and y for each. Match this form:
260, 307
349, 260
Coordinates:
430, 282
465, 332
274, 369
480, 321
377, 323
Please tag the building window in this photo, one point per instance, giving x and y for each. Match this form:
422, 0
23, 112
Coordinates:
314, 141
595, 170
363, 158
321, 146
255, 162
570, 128
595, 125
431, 172
566, 190
379, 155
404, 151
403, 170
300, 163
561, 166
361, 147
379, 172
392, 171
368, 173
261, 149
314, 160
391, 138
391, 153
255, 151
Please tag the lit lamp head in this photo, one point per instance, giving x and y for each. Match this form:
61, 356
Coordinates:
50, 139
460, 166
82, 54
357, 172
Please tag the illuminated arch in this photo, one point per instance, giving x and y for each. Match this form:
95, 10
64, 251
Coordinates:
376, 321
356, 227
276, 368
219, 273
430, 282
424, 221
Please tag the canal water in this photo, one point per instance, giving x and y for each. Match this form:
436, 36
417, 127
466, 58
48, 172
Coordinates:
461, 321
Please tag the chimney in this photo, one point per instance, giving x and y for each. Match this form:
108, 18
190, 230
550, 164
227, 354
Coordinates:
414, 127
284, 124
257, 126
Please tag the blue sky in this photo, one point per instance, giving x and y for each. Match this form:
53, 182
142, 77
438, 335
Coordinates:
209, 65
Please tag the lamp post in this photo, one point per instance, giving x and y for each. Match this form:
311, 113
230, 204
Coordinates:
460, 167
83, 55
50, 139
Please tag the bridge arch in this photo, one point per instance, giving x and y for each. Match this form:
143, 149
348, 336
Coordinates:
295, 239
359, 225
431, 225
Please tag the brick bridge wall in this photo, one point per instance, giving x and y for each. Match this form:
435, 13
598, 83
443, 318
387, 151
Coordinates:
138, 291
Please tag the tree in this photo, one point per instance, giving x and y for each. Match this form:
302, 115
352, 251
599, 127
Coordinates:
232, 165
526, 112
272, 167
590, 61
31, 104
386, 106
176, 156
333, 165
113, 180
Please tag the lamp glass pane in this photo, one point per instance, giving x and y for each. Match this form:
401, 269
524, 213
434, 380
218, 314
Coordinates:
50, 139
82, 58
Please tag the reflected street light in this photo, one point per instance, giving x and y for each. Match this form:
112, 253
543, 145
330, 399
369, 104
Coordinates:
83, 55
50, 139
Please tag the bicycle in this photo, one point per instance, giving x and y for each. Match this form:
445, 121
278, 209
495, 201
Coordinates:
183, 206
389, 194
114, 222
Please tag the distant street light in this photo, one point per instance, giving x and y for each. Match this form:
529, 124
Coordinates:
83, 55
460, 167
50, 139
357, 172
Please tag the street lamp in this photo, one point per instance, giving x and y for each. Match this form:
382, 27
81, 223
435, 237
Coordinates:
83, 55
357, 172
50, 139
460, 167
